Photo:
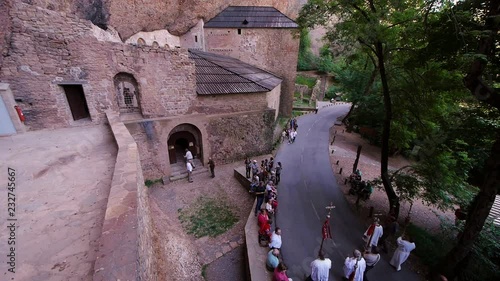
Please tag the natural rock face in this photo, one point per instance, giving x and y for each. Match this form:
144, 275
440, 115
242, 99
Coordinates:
178, 16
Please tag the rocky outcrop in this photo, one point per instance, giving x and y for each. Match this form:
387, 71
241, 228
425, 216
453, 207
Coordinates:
177, 16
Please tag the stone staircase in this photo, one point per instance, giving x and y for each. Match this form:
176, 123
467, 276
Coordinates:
495, 211
178, 170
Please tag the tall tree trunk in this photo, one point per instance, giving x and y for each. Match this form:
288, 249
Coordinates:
476, 216
456, 259
386, 133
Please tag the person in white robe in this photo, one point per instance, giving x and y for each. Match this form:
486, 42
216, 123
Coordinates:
402, 252
356, 265
373, 234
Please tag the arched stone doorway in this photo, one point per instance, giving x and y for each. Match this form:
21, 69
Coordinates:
181, 137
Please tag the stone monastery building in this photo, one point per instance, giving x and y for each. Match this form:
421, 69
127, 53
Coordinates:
216, 90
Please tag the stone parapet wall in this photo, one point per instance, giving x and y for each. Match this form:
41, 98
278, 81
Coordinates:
214, 104
50, 49
126, 249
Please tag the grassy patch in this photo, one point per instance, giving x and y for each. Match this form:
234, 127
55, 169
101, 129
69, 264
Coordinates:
207, 216
303, 80
149, 183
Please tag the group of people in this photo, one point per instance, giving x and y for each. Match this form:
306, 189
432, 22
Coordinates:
290, 133
356, 266
188, 157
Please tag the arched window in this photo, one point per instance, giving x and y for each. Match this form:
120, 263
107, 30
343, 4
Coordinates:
156, 45
127, 93
141, 42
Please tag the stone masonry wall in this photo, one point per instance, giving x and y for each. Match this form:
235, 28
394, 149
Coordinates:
274, 50
50, 48
233, 137
226, 138
5, 28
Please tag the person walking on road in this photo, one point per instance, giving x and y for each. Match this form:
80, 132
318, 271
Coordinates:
320, 268
402, 252
211, 165
371, 259
373, 234
354, 267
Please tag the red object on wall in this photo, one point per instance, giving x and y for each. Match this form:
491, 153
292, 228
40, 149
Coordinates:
20, 113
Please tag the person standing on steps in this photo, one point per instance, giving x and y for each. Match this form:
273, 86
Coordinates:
211, 165
260, 192
189, 158
402, 252
189, 169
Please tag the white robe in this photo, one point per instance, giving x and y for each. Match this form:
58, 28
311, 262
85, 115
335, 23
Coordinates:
401, 253
349, 265
377, 233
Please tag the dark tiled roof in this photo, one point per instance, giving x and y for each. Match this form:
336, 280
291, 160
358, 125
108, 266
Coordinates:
217, 74
251, 17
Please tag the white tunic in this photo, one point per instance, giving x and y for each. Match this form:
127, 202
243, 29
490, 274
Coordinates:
320, 269
349, 266
401, 253
377, 233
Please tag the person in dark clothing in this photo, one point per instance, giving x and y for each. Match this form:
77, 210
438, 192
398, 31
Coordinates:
260, 193
278, 172
248, 167
211, 165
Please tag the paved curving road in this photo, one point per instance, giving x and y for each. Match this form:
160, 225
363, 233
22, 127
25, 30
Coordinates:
307, 186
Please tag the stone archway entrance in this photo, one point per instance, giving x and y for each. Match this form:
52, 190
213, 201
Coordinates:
181, 137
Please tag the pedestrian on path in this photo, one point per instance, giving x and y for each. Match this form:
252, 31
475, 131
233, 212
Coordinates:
402, 252
354, 267
189, 169
317, 108
320, 268
371, 259
390, 228
373, 234
211, 165
255, 168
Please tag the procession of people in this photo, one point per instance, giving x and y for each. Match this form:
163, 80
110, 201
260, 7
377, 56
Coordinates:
264, 184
